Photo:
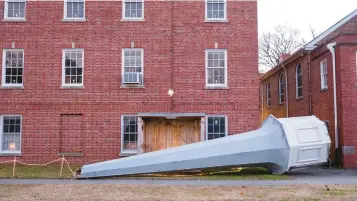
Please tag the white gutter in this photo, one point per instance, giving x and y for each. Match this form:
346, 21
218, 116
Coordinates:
331, 47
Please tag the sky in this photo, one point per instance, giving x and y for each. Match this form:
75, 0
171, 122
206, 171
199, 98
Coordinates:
301, 14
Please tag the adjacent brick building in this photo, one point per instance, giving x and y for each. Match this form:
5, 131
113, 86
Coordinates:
98, 80
303, 84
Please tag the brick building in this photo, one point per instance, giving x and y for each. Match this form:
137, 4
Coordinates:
320, 79
98, 80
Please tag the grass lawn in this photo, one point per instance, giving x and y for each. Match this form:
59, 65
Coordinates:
36, 172
53, 172
106, 192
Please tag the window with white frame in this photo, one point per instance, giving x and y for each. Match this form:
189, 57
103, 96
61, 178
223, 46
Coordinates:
216, 9
129, 134
13, 67
132, 66
10, 133
268, 94
216, 127
281, 88
74, 9
15, 9
72, 67
133, 9
323, 73
216, 68
298, 81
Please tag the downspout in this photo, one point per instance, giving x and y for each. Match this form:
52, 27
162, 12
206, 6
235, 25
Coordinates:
309, 82
261, 102
286, 90
331, 48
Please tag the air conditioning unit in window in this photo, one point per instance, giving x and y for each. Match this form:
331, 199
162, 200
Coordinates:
131, 78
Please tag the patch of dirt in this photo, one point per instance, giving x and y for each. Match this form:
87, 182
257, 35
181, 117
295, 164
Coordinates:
82, 192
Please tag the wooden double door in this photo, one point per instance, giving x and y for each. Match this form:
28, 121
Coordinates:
160, 133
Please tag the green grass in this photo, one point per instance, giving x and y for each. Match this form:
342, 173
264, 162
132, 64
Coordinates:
36, 172
53, 172
335, 192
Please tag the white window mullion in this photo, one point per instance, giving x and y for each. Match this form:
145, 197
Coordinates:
73, 68
128, 12
13, 71
132, 66
129, 134
216, 126
10, 8
216, 68
11, 139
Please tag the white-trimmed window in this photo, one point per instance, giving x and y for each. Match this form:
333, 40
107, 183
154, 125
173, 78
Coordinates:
323, 73
216, 127
298, 81
132, 66
216, 68
129, 142
74, 9
72, 67
268, 94
10, 134
13, 67
133, 9
15, 9
216, 9
281, 88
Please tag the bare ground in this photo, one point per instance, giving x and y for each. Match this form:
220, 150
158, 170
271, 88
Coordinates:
165, 193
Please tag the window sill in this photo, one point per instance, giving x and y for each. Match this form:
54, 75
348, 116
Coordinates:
133, 20
10, 154
128, 153
281, 104
216, 88
216, 20
74, 20
76, 154
72, 87
14, 20
135, 86
12, 87
300, 98
324, 90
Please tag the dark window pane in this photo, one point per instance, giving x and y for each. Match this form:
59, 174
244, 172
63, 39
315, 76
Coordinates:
6, 128
8, 71
12, 128
8, 79
19, 71
17, 128
6, 121
133, 138
79, 71
222, 129
126, 128
67, 71
73, 71
126, 137
67, 62
210, 137
19, 79
79, 79
210, 129
216, 128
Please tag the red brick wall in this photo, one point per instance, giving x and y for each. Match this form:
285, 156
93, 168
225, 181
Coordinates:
174, 37
347, 55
